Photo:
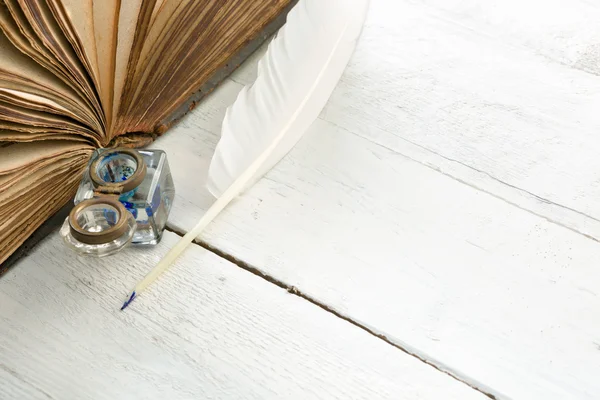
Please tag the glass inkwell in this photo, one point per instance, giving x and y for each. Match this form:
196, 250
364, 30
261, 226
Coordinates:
125, 197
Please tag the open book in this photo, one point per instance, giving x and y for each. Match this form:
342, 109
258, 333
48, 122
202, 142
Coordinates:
76, 75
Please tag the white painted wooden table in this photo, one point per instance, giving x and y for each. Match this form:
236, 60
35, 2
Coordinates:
434, 236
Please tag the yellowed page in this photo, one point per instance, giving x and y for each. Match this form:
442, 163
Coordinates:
158, 8
17, 27
43, 22
29, 183
162, 20
63, 166
13, 232
76, 19
21, 155
33, 101
15, 63
77, 111
16, 136
26, 128
22, 115
11, 178
106, 21
128, 16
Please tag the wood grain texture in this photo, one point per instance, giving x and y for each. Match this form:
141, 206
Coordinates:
562, 31
223, 334
492, 93
501, 95
446, 199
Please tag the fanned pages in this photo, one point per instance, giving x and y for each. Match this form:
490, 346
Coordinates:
76, 75
295, 79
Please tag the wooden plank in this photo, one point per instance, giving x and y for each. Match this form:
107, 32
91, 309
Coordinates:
223, 334
469, 89
478, 274
563, 31
500, 94
492, 293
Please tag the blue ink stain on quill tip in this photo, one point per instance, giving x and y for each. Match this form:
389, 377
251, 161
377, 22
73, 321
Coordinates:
128, 301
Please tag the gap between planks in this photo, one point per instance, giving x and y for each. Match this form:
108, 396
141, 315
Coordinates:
294, 290
527, 194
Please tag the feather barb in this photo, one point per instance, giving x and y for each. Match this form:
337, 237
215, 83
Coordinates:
296, 78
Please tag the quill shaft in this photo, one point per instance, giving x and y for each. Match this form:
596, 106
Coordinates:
295, 80
222, 201
206, 219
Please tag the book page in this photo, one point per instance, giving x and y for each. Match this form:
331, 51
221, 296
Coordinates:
54, 191
26, 128
27, 185
158, 8
106, 22
76, 19
22, 155
11, 178
26, 99
54, 101
16, 136
17, 28
128, 17
14, 64
27, 116
48, 30
169, 10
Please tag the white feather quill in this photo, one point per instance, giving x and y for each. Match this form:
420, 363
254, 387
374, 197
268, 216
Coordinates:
295, 79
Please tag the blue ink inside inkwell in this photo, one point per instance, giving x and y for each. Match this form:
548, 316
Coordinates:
115, 168
148, 199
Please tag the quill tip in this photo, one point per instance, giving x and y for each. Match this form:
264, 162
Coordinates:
128, 301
